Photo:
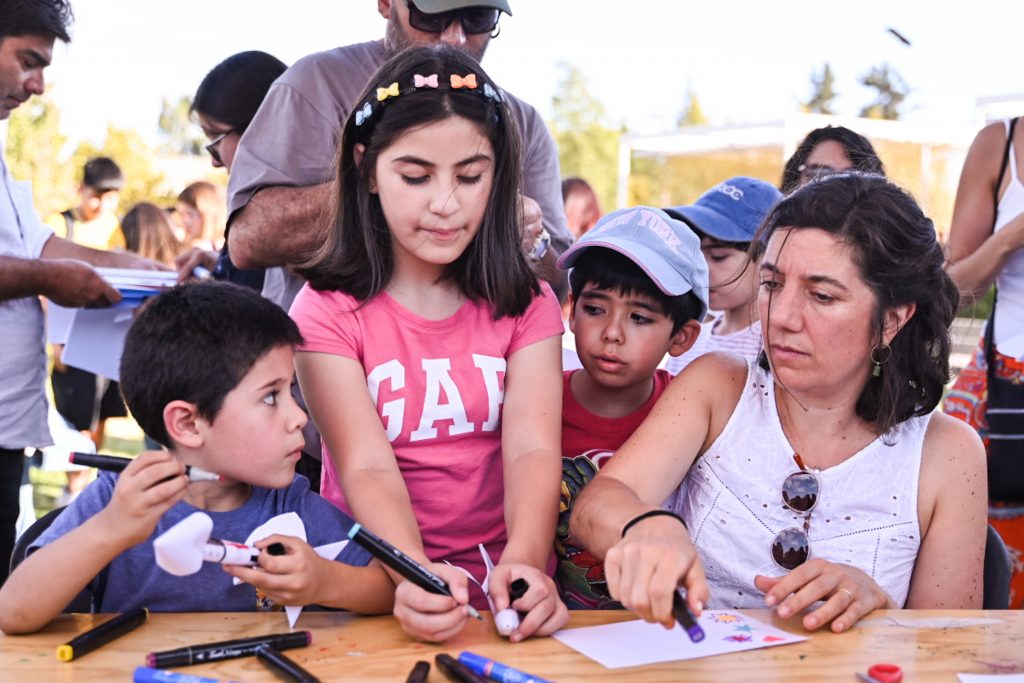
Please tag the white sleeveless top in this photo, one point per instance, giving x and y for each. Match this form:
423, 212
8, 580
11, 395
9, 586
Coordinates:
1009, 337
866, 514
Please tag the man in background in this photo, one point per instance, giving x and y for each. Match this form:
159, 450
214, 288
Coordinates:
94, 222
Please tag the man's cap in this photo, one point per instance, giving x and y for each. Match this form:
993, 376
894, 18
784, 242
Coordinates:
731, 211
438, 6
665, 248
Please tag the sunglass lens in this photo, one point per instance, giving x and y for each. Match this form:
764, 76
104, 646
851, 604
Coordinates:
800, 491
479, 19
790, 548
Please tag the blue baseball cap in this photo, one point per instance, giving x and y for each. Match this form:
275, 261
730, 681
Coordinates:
731, 211
665, 248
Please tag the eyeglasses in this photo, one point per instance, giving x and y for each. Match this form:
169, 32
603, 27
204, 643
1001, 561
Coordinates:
792, 546
474, 20
212, 148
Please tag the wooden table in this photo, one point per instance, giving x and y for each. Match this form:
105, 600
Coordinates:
352, 648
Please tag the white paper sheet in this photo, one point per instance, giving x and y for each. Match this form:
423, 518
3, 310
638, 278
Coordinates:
636, 643
96, 340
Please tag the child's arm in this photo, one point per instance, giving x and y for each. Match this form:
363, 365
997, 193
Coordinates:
52, 576
335, 391
530, 434
301, 577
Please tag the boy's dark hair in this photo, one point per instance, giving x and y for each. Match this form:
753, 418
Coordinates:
610, 270
102, 174
356, 257
35, 17
195, 343
235, 88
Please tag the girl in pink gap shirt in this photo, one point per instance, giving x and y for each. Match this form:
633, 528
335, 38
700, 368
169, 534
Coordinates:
432, 355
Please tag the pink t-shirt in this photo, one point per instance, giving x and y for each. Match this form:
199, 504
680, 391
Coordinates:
438, 386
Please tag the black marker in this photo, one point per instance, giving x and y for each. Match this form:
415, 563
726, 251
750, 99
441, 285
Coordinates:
419, 673
682, 613
226, 649
392, 557
456, 670
507, 620
113, 463
102, 634
281, 664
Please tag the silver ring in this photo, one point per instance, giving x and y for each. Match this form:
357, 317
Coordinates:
843, 590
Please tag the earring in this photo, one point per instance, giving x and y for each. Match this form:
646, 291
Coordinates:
497, 31
880, 355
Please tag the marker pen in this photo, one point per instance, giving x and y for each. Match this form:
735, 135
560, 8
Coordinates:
144, 674
102, 634
496, 671
283, 666
112, 463
201, 273
455, 670
507, 620
419, 673
392, 557
682, 613
226, 649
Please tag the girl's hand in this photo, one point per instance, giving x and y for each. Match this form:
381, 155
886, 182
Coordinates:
646, 567
147, 488
848, 593
429, 617
545, 611
295, 578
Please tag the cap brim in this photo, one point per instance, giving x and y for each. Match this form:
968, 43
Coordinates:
437, 6
711, 223
669, 281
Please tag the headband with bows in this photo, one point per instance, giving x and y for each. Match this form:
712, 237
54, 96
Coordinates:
456, 83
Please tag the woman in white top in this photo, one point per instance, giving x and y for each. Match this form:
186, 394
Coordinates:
818, 477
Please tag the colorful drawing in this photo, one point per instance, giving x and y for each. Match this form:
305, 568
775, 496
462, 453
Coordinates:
746, 628
726, 618
738, 638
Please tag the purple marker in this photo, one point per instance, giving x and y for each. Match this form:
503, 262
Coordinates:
685, 618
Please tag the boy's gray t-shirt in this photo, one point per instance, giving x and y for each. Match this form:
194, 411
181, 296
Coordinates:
134, 580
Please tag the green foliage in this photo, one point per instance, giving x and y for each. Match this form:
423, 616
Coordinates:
33, 151
693, 113
141, 181
587, 146
675, 180
181, 135
979, 309
892, 90
823, 94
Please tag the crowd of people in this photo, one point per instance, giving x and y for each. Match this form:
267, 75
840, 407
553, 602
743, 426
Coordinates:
749, 411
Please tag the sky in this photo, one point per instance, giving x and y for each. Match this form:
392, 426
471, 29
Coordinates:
747, 61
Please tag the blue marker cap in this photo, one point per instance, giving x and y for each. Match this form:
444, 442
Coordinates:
145, 674
496, 671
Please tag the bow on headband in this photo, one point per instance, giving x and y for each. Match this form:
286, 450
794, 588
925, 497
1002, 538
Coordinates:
424, 81
390, 91
468, 81
363, 114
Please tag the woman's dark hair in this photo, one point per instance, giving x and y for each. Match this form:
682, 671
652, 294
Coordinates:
235, 88
36, 17
357, 256
857, 147
899, 257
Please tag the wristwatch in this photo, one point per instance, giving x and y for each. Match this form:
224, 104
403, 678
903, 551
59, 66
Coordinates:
540, 245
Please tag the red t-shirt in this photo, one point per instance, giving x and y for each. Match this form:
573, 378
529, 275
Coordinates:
588, 441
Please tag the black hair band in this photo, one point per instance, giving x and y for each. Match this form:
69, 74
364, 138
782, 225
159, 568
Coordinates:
652, 513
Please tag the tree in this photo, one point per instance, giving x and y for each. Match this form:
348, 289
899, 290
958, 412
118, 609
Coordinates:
892, 90
587, 146
181, 136
823, 92
693, 113
34, 146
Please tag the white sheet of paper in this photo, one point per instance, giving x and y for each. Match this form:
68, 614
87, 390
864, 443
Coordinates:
58, 322
991, 678
636, 643
290, 524
96, 340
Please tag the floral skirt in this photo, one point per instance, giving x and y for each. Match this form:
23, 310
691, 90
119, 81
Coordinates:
967, 400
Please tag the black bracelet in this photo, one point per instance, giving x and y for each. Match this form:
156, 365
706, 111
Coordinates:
652, 513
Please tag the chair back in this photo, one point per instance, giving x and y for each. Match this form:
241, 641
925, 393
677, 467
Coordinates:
996, 590
82, 601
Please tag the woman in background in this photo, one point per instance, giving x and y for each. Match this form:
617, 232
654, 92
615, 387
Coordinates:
829, 150
148, 231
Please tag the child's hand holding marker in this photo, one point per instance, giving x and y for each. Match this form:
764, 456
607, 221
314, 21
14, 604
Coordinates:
147, 488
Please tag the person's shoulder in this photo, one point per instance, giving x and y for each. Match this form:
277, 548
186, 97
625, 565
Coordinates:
308, 297
369, 54
991, 139
949, 439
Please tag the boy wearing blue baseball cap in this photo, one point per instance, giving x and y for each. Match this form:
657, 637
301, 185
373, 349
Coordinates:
726, 218
638, 290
